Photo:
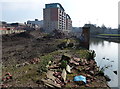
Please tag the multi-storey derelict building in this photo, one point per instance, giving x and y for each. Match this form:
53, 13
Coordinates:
54, 17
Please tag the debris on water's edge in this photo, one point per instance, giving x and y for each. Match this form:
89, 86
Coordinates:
90, 73
33, 71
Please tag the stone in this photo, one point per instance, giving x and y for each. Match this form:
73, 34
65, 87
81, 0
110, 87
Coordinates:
76, 59
88, 81
57, 74
47, 66
88, 68
25, 63
74, 62
91, 72
58, 81
51, 83
19, 65
66, 57
86, 62
88, 76
87, 85
53, 67
68, 69
49, 62
64, 74
50, 75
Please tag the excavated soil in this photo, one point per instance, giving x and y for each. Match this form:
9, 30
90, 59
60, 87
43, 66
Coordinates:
17, 48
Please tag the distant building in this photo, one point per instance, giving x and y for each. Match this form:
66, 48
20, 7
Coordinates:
36, 23
68, 23
3, 24
76, 31
54, 17
16, 24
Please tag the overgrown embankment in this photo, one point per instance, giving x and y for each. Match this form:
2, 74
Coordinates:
26, 62
109, 37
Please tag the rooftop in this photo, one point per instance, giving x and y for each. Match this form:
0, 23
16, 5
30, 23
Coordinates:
54, 5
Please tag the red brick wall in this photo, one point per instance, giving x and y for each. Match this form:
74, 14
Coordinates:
54, 14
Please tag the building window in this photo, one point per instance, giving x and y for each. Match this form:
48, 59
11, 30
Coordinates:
60, 11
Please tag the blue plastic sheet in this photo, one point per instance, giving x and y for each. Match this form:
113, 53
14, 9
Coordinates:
80, 78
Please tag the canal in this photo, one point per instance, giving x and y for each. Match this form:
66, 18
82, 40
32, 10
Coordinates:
106, 56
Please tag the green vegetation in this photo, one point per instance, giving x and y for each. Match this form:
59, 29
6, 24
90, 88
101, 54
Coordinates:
35, 72
109, 34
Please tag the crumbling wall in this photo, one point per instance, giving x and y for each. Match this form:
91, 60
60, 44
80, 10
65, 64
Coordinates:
85, 37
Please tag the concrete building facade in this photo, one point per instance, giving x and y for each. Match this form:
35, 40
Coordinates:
54, 17
36, 23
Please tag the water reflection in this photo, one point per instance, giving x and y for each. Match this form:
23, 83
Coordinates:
106, 55
96, 42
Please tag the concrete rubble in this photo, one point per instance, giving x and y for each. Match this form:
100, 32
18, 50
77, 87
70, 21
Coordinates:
57, 75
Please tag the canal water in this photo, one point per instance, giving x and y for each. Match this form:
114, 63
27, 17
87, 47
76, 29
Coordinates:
106, 56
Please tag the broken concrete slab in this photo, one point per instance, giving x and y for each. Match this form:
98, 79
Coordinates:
74, 62
76, 59
64, 75
50, 75
50, 83
68, 69
66, 57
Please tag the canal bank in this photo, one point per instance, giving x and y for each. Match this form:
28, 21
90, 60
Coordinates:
34, 72
108, 37
42, 62
106, 55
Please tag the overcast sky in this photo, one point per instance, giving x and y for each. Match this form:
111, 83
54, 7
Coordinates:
81, 11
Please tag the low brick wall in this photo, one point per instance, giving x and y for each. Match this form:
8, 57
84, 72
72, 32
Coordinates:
2, 32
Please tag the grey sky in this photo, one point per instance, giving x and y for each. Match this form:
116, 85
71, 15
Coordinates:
81, 11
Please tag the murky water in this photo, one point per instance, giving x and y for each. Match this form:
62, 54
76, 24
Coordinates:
106, 55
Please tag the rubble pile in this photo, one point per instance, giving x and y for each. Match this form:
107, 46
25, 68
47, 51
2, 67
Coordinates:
6, 78
82, 71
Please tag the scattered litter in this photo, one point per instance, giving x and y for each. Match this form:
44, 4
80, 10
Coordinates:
57, 73
80, 78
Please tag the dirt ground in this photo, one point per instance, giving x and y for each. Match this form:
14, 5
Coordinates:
22, 47
17, 48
